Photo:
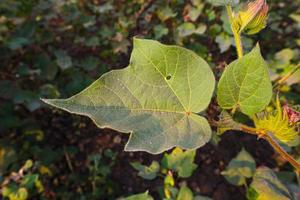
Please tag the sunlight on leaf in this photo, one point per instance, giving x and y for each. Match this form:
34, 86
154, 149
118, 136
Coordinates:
246, 84
180, 161
156, 98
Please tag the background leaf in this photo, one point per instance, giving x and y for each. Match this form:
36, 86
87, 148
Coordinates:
180, 161
267, 186
63, 60
142, 196
224, 2
240, 168
224, 42
185, 193
147, 172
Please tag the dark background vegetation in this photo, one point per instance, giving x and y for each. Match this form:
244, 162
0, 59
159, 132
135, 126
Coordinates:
55, 48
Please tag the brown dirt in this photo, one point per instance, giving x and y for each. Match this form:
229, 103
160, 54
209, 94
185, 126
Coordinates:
63, 129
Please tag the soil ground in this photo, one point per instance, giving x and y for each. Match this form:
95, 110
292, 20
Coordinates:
63, 129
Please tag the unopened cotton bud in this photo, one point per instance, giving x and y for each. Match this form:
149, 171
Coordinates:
253, 17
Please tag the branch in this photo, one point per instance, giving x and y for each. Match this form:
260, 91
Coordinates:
273, 143
286, 77
282, 152
237, 36
144, 8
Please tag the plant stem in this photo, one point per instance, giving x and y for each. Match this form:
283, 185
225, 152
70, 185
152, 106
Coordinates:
286, 77
233, 110
282, 152
68, 160
273, 143
238, 43
236, 34
248, 129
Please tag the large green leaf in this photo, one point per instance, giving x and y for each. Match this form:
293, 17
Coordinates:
246, 84
156, 98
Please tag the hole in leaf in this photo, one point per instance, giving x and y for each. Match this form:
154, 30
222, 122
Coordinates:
168, 77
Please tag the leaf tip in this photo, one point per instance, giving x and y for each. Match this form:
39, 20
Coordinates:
45, 100
257, 47
257, 50
52, 102
136, 41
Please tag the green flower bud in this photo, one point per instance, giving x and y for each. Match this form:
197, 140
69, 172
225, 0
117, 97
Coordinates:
253, 17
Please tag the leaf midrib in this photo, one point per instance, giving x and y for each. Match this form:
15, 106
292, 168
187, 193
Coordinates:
238, 101
51, 102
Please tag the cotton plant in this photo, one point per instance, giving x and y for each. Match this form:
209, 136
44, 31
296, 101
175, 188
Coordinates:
161, 97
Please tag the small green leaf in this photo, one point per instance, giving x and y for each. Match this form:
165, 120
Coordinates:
63, 60
266, 185
49, 91
165, 13
246, 84
283, 58
194, 12
160, 31
185, 193
201, 29
224, 42
29, 180
22, 194
28, 164
180, 161
142, 196
28, 98
186, 29
147, 172
240, 168
156, 98
295, 17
